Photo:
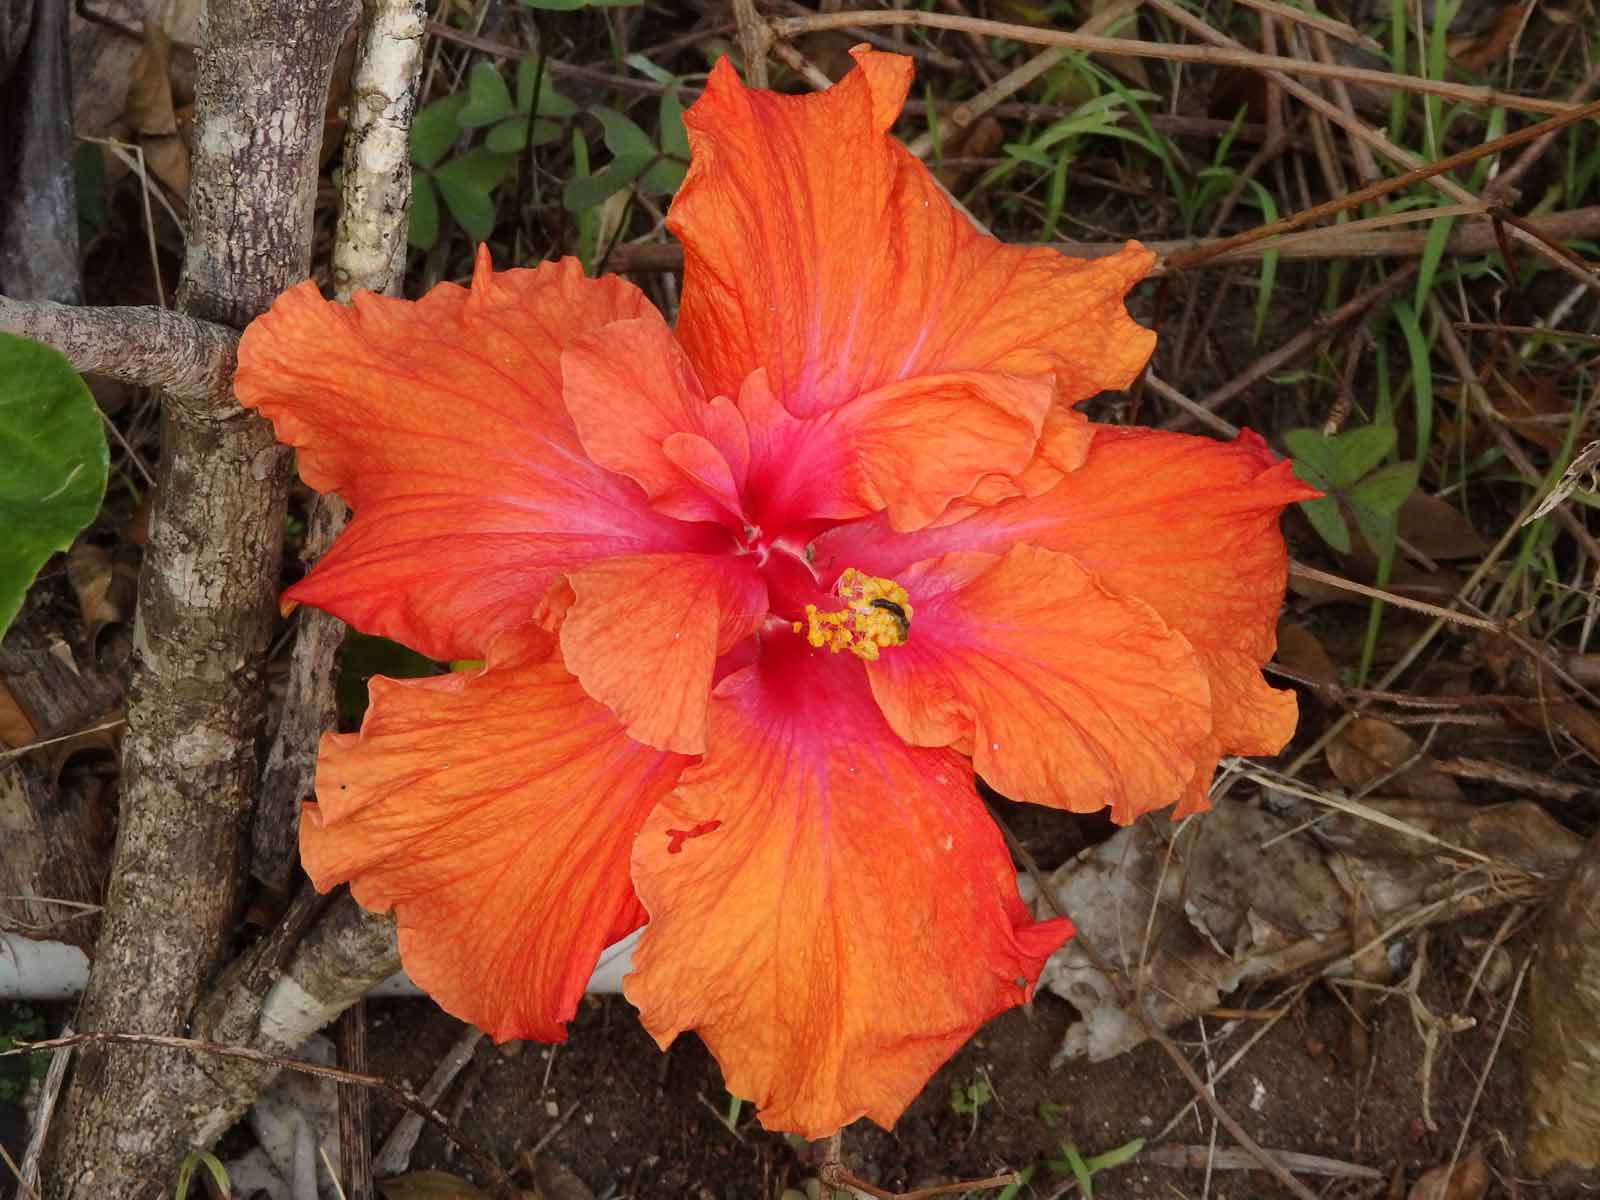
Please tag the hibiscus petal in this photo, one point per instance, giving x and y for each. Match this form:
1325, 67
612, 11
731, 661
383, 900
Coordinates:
1066, 693
632, 393
817, 247
494, 811
832, 911
909, 449
441, 422
643, 634
1186, 524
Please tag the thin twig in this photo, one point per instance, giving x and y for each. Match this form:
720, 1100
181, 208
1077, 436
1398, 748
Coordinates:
788, 27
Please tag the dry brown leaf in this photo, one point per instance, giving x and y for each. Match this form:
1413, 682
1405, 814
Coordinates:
1568, 716
149, 106
1469, 1181
105, 591
430, 1185
1438, 529
16, 727
1369, 749
151, 115
1479, 51
1301, 652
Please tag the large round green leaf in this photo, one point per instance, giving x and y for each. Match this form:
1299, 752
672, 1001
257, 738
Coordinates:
53, 463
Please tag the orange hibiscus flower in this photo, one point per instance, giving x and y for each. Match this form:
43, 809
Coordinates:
755, 598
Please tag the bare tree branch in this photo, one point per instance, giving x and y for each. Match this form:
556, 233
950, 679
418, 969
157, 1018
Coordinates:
151, 347
207, 604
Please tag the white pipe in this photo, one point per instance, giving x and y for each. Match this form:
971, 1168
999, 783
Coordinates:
44, 971
51, 971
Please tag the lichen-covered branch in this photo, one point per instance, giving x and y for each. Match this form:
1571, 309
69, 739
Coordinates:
369, 252
207, 604
192, 360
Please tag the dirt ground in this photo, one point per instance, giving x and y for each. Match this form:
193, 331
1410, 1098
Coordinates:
631, 1121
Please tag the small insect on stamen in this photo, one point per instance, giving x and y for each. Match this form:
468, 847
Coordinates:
899, 615
875, 614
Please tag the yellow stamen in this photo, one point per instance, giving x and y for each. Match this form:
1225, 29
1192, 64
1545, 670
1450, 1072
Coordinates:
876, 613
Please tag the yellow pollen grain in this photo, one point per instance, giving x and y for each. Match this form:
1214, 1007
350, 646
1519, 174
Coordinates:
876, 614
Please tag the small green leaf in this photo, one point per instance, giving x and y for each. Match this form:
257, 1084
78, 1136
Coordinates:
53, 463
664, 175
623, 138
585, 191
1385, 490
1313, 456
510, 137
1359, 450
434, 130
467, 183
674, 137
551, 102
1379, 529
650, 71
1327, 520
489, 100
423, 230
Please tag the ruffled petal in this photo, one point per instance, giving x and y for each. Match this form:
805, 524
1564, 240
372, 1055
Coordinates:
831, 910
634, 398
909, 449
1186, 524
817, 247
440, 421
1063, 692
643, 634
494, 811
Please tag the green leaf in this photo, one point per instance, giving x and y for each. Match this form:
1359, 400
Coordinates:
423, 231
649, 70
510, 137
1380, 530
1327, 520
434, 130
674, 137
551, 102
467, 183
1357, 451
53, 463
1386, 490
585, 191
1313, 455
623, 138
489, 100
664, 175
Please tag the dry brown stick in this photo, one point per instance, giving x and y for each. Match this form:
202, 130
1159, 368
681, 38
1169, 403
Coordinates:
968, 111
1457, 354
1503, 187
1313, 333
1155, 1032
355, 1111
1359, 130
1323, 25
1475, 237
1366, 165
143, 345
1383, 187
1421, 606
399, 1092
754, 38
787, 27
